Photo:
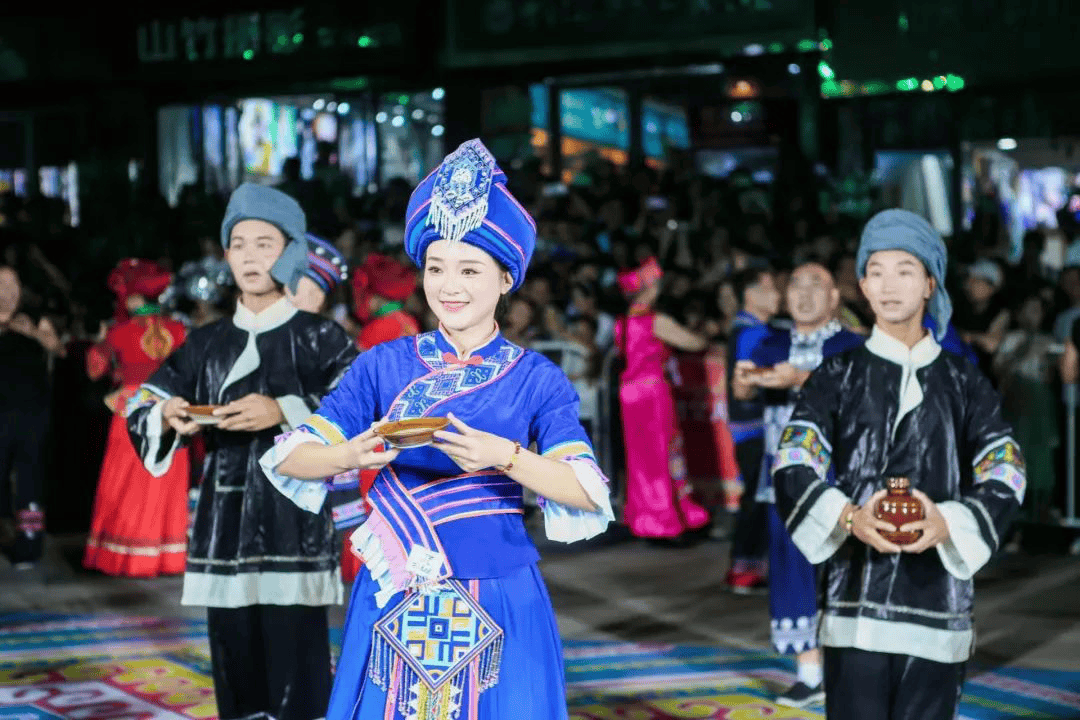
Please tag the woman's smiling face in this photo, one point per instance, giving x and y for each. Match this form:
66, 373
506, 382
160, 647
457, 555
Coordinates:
463, 284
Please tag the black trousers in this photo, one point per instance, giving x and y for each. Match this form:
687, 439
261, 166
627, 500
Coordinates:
270, 661
22, 478
860, 685
750, 540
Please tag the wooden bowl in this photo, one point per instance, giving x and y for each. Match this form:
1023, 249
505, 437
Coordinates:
204, 414
412, 433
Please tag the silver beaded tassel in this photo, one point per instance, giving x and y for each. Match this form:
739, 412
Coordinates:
451, 227
459, 194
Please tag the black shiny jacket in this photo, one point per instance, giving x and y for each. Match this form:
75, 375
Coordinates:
953, 446
242, 524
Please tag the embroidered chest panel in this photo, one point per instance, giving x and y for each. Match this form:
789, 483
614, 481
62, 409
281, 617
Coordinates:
449, 379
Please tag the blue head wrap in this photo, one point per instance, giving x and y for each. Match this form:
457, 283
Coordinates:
904, 230
258, 202
465, 199
326, 265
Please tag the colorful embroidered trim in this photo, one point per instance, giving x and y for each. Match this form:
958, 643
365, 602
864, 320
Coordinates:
30, 521
572, 448
144, 397
447, 380
431, 646
349, 514
802, 444
1003, 461
322, 428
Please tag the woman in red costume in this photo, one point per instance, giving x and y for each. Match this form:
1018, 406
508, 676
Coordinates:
139, 524
658, 503
380, 288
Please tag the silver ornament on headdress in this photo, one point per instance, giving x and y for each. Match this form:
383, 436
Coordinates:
459, 196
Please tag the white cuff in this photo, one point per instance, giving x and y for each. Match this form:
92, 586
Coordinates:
295, 410
568, 524
155, 425
819, 535
306, 494
965, 552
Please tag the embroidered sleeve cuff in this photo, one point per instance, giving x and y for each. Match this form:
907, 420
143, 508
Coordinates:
295, 410
156, 433
965, 551
818, 534
305, 494
568, 524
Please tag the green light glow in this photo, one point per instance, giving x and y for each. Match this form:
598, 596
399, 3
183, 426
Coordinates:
876, 87
954, 82
403, 99
364, 41
826, 45
806, 45
825, 71
248, 54
831, 88
298, 38
902, 22
357, 83
907, 84
939, 83
776, 48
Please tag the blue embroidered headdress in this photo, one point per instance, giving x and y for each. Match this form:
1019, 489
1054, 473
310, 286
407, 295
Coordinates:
465, 200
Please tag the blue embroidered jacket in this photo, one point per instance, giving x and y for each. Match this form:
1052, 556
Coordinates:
469, 525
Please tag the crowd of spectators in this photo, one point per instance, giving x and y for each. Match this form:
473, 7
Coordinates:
703, 231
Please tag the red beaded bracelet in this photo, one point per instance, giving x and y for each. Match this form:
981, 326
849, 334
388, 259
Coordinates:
507, 467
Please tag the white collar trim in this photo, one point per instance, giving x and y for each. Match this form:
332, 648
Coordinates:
272, 317
889, 348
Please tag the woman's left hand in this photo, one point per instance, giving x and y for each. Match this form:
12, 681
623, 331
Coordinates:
473, 450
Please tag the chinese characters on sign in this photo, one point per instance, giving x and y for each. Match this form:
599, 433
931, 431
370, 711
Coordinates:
250, 35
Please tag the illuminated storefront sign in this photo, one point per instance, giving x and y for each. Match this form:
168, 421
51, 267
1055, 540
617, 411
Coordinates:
247, 36
485, 31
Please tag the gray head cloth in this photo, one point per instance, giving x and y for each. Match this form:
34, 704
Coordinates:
258, 202
904, 230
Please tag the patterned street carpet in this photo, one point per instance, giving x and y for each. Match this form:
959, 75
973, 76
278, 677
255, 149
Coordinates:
141, 668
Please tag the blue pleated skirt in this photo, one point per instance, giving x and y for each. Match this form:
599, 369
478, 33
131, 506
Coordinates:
531, 683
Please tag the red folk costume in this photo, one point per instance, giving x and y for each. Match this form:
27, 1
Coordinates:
139, 524
380, 287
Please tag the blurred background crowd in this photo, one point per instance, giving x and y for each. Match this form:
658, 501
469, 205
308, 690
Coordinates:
725, 244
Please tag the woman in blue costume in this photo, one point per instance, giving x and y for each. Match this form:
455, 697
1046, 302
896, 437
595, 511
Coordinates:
449, 617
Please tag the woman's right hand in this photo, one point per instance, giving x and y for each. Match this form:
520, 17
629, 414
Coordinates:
364, 451
174, 412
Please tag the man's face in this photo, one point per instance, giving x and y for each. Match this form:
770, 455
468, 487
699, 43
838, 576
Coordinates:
254, 247
896, 285
812, 297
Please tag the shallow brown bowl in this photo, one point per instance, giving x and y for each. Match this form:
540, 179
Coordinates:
204, 414
411, 433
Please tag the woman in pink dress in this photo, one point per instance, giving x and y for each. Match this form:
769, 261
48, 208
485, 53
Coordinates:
658, 502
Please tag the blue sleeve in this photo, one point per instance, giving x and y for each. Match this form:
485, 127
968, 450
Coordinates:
352, 406
747, 340
556, 428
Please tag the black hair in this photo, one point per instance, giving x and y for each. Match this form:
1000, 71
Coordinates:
745, 279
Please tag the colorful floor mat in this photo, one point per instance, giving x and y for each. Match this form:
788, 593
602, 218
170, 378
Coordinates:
139, 668
670, 682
